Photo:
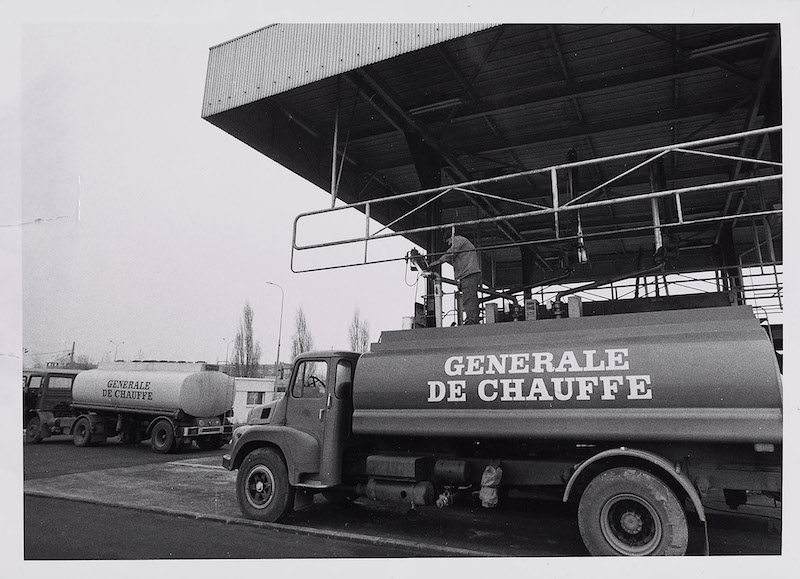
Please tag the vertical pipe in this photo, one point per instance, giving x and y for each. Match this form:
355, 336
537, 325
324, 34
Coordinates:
366, 230
655, 185
554, 186
657, 223
334, 192
679, 207
437, 299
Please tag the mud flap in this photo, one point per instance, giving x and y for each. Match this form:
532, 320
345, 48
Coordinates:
303, 499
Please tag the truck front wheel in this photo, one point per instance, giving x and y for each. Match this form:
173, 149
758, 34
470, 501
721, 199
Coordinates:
262, 486
162, 438
627, 511
33, 430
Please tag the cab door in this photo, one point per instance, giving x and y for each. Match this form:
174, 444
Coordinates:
308, 391
339, 412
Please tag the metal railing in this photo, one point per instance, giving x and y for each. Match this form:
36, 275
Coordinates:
423, 198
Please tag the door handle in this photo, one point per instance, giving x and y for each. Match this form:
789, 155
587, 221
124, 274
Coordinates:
321, 411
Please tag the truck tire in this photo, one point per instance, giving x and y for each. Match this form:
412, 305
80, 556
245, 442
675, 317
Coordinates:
33, 431
262, 486
162, 438
627, 511
82, 432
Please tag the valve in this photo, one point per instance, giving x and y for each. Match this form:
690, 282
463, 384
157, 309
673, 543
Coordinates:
445, 499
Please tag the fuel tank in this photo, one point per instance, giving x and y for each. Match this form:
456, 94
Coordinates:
196, 393
687, 375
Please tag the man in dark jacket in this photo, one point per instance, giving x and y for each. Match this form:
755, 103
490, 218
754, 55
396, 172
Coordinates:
467, 270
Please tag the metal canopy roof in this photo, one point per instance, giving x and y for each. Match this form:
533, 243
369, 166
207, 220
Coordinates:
419, 107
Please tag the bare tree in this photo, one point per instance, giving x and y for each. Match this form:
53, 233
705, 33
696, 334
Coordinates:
84, 362
246, 350
302, 341
358, 332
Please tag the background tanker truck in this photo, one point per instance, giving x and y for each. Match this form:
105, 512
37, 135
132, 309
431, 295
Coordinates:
634, 417
172, 403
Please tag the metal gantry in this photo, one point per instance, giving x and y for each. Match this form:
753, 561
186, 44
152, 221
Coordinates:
585, 201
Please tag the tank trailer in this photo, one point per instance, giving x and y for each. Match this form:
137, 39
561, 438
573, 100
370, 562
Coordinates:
171, 403
633, 417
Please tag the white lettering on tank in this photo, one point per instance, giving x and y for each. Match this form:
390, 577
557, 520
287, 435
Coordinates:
538, 391
638, 387
568, 363
610, 386
558, 389
541, 359
586, 385
474, 365
457, 393
496, 365
436, 391
482, 390
590, 366
617, 359
519, 364
454, 366
512, 389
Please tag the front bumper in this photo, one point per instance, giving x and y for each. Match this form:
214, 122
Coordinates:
203, 430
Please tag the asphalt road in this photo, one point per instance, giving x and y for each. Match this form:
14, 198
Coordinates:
176, 502
104, 532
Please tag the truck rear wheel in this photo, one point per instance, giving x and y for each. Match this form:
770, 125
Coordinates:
162, 438
33, 430
627, 511
82, 432
262, 486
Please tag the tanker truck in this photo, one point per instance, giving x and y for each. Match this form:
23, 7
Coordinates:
172, 403
635, 418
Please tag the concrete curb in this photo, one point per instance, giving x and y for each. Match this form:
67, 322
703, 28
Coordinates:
308, 531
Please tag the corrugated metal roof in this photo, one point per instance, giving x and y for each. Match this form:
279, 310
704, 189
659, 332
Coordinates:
278, 58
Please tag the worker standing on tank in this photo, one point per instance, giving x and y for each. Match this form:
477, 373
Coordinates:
463, 256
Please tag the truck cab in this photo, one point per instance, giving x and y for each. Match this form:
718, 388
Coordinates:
46, 401
302, 443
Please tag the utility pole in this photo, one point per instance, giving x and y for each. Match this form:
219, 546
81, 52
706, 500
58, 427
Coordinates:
280, 326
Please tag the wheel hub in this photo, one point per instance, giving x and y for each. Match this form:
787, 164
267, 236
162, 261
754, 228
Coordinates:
631, 523
260, 487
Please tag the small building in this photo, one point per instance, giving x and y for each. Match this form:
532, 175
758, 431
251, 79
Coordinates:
251, 392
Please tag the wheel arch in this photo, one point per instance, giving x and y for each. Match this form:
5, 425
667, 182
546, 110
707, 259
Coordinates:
155, 420
648, 461
299, 450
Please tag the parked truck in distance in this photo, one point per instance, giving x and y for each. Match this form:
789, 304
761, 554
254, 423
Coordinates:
171, 403
634, 417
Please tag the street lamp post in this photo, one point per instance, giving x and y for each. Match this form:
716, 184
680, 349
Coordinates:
280, 326
227, 344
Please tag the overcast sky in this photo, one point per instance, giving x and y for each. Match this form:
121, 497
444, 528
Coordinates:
180, 223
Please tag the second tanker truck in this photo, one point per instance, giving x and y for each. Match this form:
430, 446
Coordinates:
171, 403
634, 417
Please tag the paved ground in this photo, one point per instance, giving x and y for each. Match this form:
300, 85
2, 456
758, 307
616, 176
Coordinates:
198, 487
85, 531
